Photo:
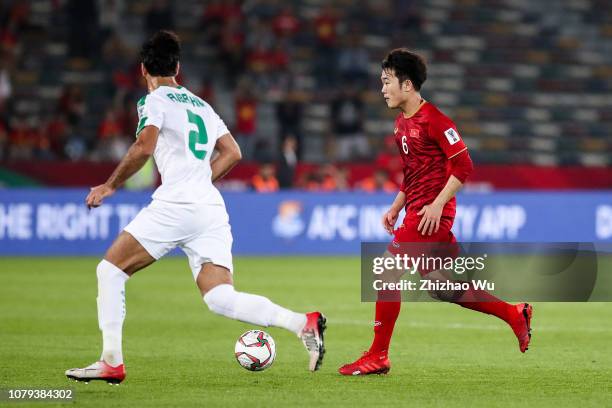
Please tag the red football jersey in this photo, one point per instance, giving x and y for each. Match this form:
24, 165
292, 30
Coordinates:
426, 141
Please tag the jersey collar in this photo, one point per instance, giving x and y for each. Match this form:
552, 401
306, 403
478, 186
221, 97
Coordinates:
423, 102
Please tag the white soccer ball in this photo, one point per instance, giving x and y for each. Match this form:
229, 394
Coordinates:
255, 350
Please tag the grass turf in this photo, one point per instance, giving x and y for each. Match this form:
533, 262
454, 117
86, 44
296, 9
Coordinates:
179, 354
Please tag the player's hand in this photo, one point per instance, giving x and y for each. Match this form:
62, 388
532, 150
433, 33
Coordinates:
389, 219
97, 194
430, 222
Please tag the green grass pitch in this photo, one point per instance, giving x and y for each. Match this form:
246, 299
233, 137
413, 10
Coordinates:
179, 354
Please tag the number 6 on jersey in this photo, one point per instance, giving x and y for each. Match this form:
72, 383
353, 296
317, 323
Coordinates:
405, 144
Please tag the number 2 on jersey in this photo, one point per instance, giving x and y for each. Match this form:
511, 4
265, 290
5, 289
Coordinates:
199, 138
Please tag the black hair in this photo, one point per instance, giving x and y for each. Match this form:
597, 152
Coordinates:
160, 54
406, 65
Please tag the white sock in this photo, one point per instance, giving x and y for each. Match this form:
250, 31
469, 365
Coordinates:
255, 309
111, 310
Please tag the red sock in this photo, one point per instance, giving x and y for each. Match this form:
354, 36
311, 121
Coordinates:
485, 302
387, 309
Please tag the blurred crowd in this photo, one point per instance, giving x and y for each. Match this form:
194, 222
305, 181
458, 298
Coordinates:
252, 44
387, 175
323, 178
297, 81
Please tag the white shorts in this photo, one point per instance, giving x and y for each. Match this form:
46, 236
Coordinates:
202, 231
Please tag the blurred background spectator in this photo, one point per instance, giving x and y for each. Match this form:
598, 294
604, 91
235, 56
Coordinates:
5, 81
378, 182
265, 180
288, 162
72, 104
347, 124
246, 119
289, 112
528, 83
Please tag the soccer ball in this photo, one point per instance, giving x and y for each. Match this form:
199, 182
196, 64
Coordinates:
255, 350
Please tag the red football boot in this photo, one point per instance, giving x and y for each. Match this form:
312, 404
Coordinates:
368, 363
521, 325
312, 337
98, 371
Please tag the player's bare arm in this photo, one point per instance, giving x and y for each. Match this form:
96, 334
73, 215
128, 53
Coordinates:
430, 222
228, 156
134, 159
390, 217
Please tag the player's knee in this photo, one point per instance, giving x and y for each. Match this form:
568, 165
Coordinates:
106, 271
220, 299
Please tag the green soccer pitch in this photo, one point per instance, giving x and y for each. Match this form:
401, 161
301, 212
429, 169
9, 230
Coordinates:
178, 353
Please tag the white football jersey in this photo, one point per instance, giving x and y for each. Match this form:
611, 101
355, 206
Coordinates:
188, 130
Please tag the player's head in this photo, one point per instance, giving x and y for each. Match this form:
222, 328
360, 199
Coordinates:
403, 73
160, 55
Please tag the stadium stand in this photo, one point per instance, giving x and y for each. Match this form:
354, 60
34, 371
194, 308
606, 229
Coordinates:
524, 86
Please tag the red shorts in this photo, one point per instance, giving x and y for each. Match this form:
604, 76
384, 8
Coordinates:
407, 239
407, 232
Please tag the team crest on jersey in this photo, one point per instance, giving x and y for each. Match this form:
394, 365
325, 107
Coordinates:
414, 132
451, 135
